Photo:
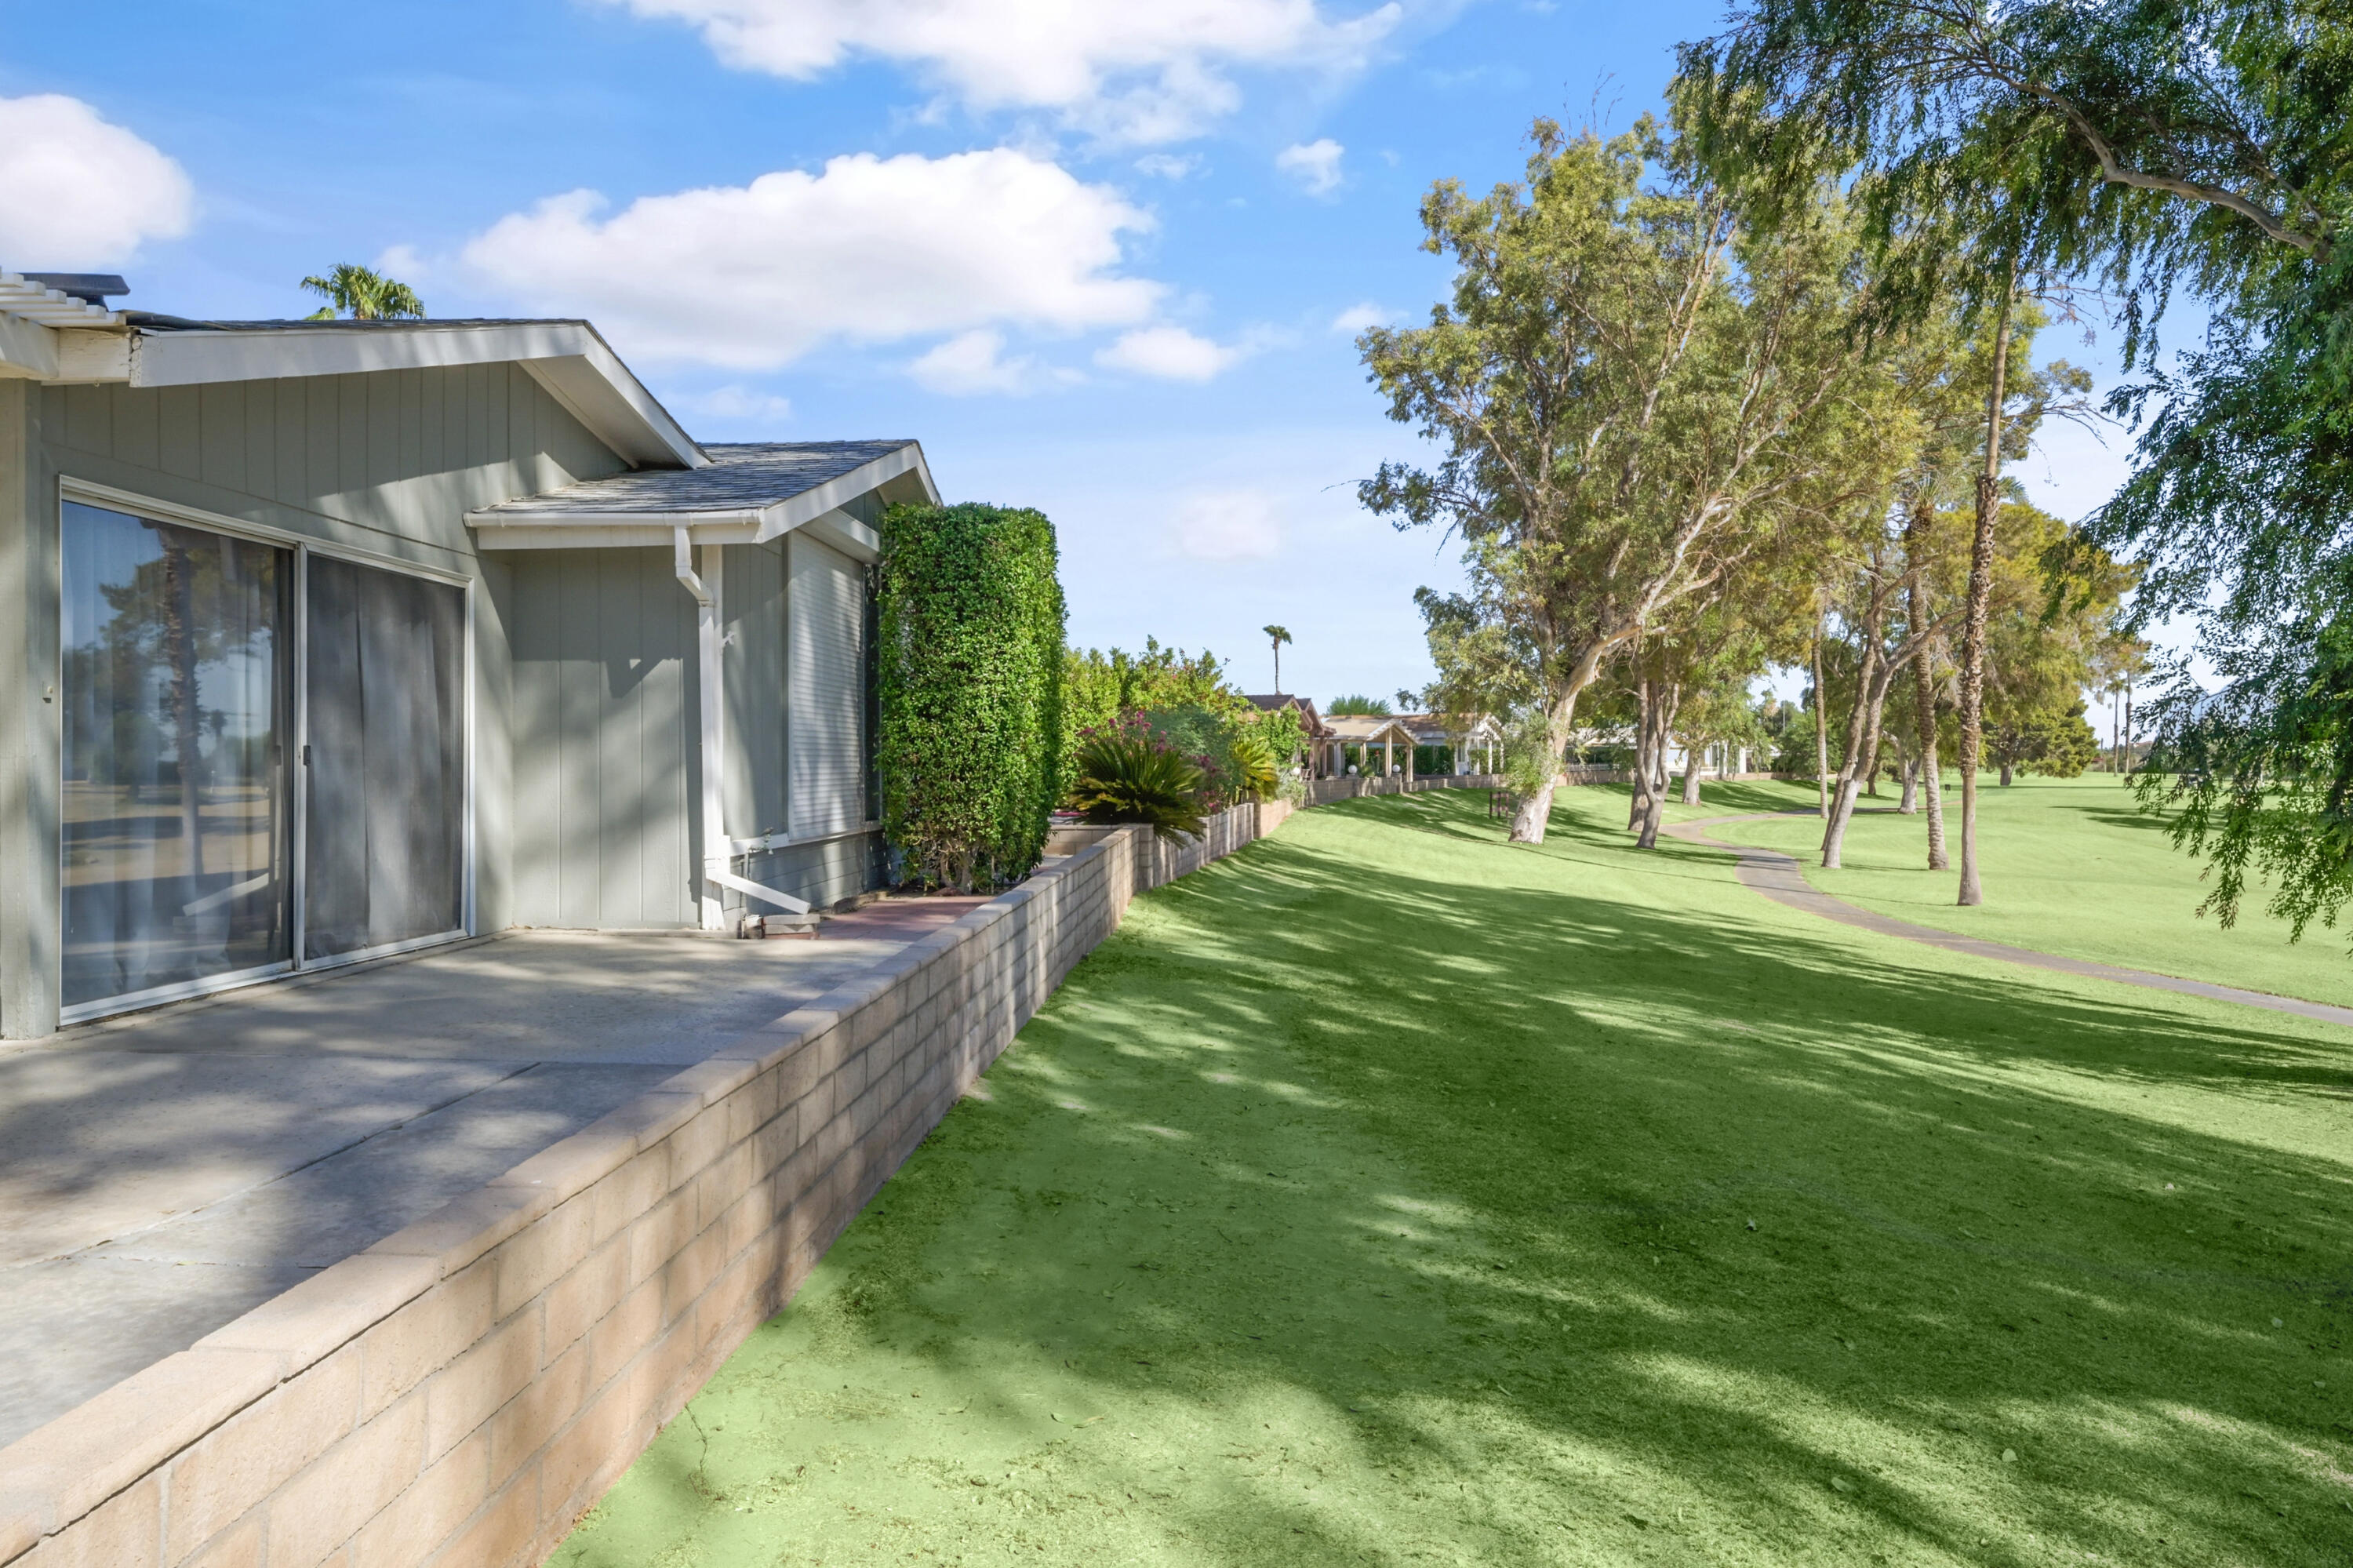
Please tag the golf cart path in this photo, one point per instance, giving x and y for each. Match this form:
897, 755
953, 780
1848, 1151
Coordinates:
1777, 875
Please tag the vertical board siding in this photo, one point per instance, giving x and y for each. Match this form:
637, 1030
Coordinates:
604, 727
755, 619
826, 677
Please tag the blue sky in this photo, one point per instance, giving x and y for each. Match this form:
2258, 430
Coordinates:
1102, 258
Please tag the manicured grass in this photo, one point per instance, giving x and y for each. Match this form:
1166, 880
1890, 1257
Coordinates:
1384, 1193
2069, 866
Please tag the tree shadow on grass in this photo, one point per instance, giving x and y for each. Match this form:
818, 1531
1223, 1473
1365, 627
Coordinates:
1387, 1195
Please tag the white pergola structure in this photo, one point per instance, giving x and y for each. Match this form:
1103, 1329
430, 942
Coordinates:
1475, 735
1364, 732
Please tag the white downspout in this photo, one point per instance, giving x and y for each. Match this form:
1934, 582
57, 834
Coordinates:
717, 871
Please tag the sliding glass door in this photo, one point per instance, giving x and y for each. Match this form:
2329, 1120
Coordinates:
385, 860
176, 727
225, 701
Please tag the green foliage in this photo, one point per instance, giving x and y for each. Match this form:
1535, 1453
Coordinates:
1284, 730
1634, 393
1185, 700
2151, 146
2057, 744
1254, 765
1127, 774
1102, 687
1793, 742
1359, 707
970, 743
363, 294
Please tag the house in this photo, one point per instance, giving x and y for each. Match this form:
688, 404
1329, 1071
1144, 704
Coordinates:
1474, 738
323, 641
1365, 734
1311, 725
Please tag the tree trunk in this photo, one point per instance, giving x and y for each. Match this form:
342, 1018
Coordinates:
1663, 703
1638, 805
1691, 776
1821, 728
1973, 625
1908, 803
2128, 728
1842, 803
1534, 811
2005, 774
1924, 700
1842, 793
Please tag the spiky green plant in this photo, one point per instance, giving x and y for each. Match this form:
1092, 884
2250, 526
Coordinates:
1125, 775
1254, 765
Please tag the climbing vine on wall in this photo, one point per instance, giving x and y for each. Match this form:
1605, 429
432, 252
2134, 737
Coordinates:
970, 733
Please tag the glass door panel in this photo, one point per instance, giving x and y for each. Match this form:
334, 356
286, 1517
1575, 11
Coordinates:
175, 721
385, 829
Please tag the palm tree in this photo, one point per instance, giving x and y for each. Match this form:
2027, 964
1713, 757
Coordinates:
363, 294
1279, 636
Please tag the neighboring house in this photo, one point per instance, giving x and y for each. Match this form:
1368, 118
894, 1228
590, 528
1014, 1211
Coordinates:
1376, 739
1315, 731
321, 640
1476, 740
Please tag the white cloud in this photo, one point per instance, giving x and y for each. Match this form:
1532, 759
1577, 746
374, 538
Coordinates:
1226, 526
1127, 70
78, 192
1169, 353
871, 249
1315, 165
1361, 318
738, 406
974, 362
1167, 165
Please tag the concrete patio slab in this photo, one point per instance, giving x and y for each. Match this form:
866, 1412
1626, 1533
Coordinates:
164, 1172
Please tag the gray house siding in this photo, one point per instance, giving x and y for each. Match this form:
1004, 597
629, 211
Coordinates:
827, 690
389, 464
608, 700
586, 761
605, 710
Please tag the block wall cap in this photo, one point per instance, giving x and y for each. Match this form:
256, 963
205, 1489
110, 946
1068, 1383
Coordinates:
712, 1079
101, 1446
305, 1325
575, 1164
463, 1229
647, 1119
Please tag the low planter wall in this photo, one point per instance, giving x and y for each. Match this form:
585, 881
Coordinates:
460, 1391
459, 1394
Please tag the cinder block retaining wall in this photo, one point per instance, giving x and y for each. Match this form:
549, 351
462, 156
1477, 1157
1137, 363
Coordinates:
460, 1393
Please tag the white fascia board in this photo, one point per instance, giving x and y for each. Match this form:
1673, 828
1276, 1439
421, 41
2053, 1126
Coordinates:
848, 535
607, 531
817, 510
834, 493
567, 357
655, 530
28, 349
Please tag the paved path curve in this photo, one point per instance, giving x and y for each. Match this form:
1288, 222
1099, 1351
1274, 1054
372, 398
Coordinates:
1777, 878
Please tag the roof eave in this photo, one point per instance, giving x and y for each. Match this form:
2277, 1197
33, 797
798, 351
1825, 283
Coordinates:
570, 359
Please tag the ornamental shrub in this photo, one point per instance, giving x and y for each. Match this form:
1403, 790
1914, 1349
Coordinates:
1127, 774
970, 734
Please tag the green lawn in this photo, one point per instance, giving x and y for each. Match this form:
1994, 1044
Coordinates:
2070, 866
1386, 1194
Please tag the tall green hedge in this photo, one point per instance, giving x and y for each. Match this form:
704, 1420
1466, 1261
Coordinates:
970, 733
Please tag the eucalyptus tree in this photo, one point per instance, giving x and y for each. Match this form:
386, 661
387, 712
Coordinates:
2152, 147
1633, 391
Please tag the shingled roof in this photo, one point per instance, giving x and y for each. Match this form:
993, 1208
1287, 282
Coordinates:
746, 476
